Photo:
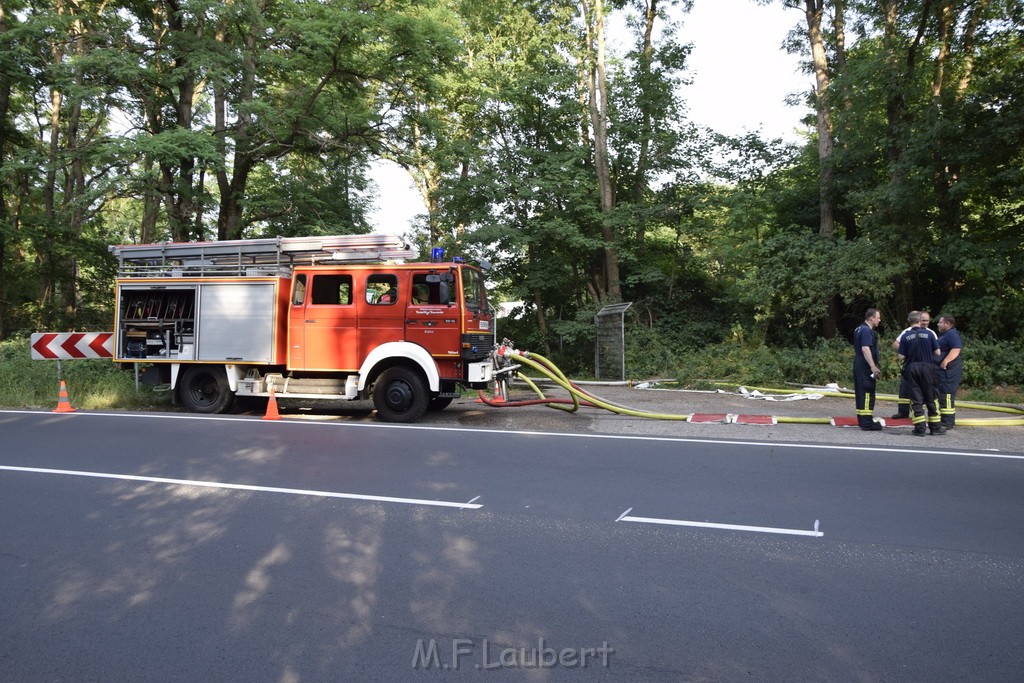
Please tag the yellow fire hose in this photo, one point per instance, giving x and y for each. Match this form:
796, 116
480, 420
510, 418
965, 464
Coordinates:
580, 397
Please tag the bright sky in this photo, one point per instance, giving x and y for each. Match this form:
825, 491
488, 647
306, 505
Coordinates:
741, 78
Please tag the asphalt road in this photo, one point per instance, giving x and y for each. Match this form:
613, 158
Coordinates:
320, 548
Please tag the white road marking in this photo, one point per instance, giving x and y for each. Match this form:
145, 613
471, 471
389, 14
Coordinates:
247, 487
271, 424
712, 525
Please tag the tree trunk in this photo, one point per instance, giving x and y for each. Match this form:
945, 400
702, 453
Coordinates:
72, 211
47, 284
901, 62
593, 12
826, 184
150, 208
178, 178
5, 102
945, 173
813, 12
902, 67
946, 98
643, 157
232, 190
538, 301
229, 221
542, 322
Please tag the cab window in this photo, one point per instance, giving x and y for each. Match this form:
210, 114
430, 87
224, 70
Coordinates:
471, 289
382, 290
425, 293
331, 290
299, 290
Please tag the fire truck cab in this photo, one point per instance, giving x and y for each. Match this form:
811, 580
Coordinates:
328, 318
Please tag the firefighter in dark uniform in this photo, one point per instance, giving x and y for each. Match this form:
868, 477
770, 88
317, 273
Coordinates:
918, 350
951, 369
865, 369
914, 319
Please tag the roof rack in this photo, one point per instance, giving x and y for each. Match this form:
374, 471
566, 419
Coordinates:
254, 258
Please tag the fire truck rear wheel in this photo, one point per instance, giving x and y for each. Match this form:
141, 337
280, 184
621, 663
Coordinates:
204, 389
400, 395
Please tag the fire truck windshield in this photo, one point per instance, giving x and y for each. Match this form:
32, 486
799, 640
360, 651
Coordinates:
473, 289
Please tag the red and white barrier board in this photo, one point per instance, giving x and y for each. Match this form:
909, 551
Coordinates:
68, 345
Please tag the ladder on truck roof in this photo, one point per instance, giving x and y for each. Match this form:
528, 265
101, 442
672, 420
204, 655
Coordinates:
254, 258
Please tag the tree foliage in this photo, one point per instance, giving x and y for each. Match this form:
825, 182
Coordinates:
549, 137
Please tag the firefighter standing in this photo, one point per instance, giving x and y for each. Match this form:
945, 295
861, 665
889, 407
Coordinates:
951, 369
865, 369
914, 319
918, 350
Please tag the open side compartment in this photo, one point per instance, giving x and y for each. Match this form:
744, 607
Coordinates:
157, 323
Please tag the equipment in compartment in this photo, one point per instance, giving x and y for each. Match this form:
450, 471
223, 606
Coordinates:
158, 323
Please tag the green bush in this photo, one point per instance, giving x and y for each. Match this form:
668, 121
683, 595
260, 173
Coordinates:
648, 354
987, 364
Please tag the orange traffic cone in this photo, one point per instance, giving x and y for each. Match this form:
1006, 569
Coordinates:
63, 404
497, 398
272, 413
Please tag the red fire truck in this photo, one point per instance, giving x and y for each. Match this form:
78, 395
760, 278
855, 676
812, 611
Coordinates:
327, 318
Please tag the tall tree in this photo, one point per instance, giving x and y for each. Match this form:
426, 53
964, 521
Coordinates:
598, 102
649, 135
822, 96
7, 67
73, 146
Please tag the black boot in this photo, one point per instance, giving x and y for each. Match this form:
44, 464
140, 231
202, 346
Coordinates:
870, 426
937, 430
920, 431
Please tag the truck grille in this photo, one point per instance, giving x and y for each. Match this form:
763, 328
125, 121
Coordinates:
480, 345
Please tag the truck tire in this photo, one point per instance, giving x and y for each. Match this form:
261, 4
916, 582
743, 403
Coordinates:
400, 395
204, 389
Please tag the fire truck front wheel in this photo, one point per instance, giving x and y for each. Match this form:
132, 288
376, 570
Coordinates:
204, 389
400, 395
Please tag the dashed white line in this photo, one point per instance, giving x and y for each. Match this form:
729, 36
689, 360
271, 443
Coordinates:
247, 487
625, 517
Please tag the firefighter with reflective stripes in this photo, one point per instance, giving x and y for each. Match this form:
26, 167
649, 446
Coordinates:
918, 351
951, 369
915, 319
865, 369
